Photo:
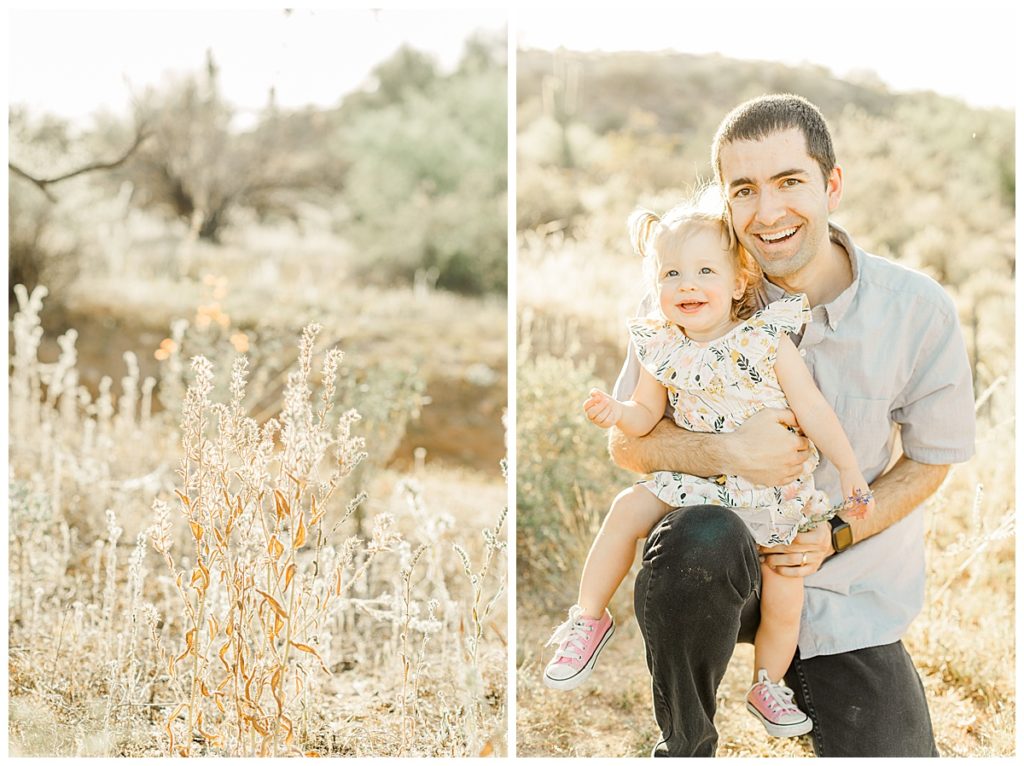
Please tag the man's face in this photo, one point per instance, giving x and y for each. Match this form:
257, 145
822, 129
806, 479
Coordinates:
778, 200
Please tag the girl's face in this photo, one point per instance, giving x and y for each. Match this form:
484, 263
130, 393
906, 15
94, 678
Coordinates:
697, 283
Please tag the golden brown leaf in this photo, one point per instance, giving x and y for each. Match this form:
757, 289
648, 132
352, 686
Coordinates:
274, 548
197, 530
168, 728
190, 643
274, 605
300, 534
289, 573
310, 650
280, 505
314, 517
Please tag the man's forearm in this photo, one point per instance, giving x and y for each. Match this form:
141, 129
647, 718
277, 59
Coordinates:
897, 493
668, 448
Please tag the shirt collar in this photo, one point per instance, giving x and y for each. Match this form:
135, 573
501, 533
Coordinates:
836, 310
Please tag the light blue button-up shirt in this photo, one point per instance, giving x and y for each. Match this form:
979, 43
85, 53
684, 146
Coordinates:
889, 356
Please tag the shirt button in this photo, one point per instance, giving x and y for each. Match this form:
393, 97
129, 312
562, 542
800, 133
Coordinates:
803, 352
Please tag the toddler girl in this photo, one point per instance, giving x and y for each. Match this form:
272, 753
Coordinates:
716, 361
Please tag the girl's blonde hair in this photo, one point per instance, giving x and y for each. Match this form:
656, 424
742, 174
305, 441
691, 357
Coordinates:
650, 235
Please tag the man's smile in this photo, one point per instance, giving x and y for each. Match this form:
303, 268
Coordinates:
782, 235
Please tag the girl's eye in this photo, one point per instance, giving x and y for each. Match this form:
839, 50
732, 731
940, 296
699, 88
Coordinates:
706, 270
671, 273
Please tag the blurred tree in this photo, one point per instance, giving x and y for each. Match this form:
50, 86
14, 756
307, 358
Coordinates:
198, 168
407, 71
41, 239
427, 172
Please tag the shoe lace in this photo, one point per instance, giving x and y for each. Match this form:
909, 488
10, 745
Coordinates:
571, 636
778, 697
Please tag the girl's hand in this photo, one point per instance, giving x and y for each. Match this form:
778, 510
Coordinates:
601, 409
858, 499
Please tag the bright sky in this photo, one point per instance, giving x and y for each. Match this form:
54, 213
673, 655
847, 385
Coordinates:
73, 62
964, 49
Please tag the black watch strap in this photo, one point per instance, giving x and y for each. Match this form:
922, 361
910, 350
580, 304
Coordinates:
842, 535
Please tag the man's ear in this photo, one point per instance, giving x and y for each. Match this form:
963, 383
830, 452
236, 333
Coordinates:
834, 188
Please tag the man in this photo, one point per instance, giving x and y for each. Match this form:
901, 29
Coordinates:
885, 348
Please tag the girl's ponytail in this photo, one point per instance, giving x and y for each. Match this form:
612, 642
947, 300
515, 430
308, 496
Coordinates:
641, 225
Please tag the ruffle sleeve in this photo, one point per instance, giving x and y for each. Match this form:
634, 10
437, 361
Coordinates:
756, 341
788, 314
667, 354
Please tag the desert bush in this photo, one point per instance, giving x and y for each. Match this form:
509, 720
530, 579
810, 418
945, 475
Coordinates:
426, 181
563, 487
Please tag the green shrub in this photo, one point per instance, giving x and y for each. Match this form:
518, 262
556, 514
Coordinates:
562, 459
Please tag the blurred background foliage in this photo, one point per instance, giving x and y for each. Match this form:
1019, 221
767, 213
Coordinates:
398, 167
383, 217
928, 181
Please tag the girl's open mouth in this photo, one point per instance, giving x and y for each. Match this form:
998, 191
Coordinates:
690, 307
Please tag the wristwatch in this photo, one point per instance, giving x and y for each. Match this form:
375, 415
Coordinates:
842, 535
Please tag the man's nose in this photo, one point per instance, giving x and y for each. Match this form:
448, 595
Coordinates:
769, 207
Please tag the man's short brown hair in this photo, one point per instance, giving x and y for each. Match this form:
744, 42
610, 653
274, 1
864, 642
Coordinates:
758, 118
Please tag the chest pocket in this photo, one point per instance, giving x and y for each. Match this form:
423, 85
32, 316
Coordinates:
867, 426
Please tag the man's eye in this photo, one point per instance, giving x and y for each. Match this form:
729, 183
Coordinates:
791, 182
744, 192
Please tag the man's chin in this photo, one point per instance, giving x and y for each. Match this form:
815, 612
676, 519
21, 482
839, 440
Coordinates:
781, 266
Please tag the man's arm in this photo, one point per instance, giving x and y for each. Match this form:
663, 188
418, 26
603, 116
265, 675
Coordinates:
897, 493
763, 450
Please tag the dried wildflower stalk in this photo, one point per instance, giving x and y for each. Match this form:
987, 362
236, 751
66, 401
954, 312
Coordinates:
262, 580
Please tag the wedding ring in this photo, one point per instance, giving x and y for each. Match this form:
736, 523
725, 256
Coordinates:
803, 559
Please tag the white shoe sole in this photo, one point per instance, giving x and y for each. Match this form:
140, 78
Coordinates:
565, 684
782, 730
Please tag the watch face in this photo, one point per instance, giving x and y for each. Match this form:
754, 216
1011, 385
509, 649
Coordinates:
842, 537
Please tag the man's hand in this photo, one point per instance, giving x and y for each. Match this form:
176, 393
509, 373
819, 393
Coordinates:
764, 451
803, 556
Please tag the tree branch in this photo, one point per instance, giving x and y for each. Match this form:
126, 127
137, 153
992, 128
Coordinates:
140, 136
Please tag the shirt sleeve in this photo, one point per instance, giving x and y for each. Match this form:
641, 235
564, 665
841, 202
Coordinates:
936, 408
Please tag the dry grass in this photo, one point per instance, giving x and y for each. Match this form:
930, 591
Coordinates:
267, 606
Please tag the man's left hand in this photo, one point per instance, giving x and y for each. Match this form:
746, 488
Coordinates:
803, 556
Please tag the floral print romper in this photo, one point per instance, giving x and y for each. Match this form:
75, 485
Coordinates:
714, 387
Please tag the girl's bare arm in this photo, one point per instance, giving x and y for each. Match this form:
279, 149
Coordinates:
637, 416
815, 415
818, 420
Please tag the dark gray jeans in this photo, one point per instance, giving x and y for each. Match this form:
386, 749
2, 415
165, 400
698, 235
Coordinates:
697, 595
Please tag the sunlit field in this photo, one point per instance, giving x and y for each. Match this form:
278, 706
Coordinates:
256, 491
588, 155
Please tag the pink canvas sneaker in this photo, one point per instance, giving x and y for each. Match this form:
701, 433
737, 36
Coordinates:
772, 704
580, 640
